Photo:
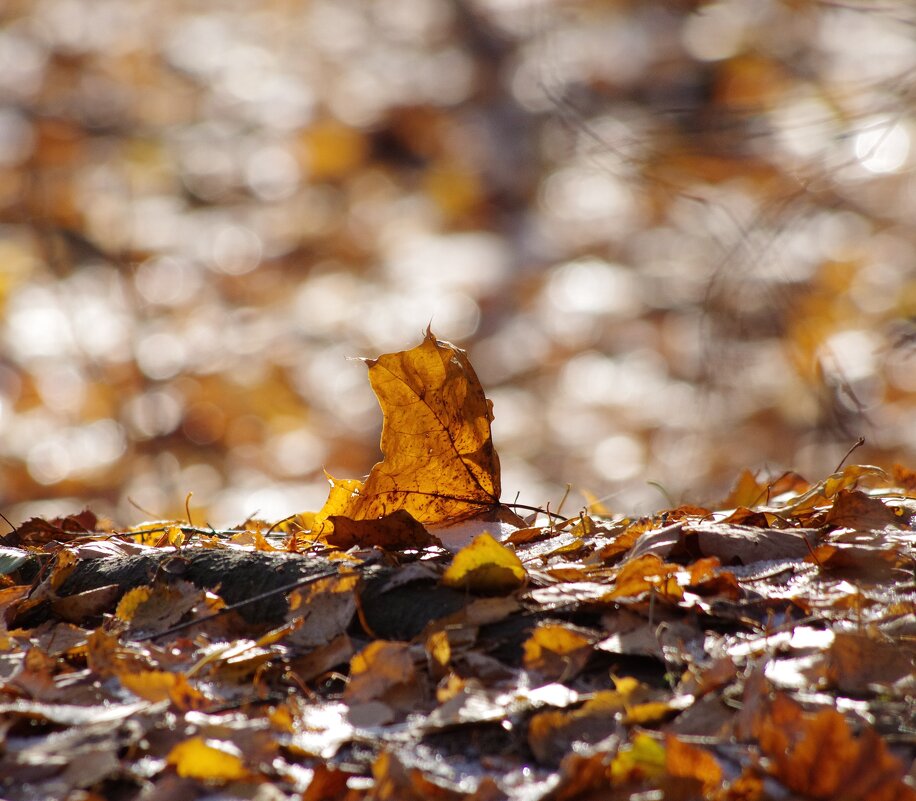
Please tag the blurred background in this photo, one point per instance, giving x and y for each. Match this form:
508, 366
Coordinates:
676, 239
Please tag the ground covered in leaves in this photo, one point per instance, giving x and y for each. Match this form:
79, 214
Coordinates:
416, 639
676, 237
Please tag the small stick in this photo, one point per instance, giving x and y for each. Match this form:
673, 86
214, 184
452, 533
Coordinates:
233, 607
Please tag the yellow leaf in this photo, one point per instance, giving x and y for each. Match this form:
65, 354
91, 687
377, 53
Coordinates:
648, 713
208, 760
160, 685
485, 566
643, 759
439, 461
378, 668
341, 496
556, 652
439, 650
647, 573
157, 533
131, 601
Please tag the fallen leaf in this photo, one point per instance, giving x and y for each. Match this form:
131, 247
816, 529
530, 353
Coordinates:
325, 608
395, 532
154, 608
553, 734
439, 462
395, 781
746, 492
857, 661
327, 784
36, 532
159, 685
556, 652
642, 759
84, 605
905, 479
438, 652
377, 671
708, 579
486, 567
684, 761
856, 510
817, 755
647, 574
208, 760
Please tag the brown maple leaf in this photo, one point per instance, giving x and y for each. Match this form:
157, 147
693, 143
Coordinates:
439, 462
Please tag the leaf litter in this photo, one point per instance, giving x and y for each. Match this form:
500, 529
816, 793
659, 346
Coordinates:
761, 648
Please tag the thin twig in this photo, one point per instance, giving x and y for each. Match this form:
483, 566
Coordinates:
238, 605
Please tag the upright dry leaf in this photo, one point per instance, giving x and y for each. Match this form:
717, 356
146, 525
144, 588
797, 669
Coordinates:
439, 461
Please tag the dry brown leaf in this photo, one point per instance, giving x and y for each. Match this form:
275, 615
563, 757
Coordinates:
706, 578
686, 761
395, 532
858, 660
439, 461
378, 669
156, 607
81, 606
746, 492
857, 510
327, 784
817, 755
905, 479
36, 531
